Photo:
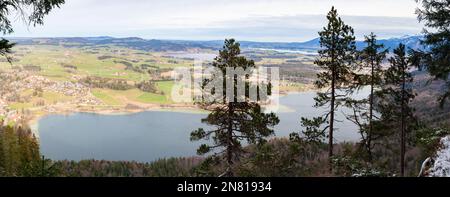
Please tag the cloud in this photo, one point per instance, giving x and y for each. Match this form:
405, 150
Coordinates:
268, 20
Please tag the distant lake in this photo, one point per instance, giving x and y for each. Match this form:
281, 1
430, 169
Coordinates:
151, 135
195, 56
304, 52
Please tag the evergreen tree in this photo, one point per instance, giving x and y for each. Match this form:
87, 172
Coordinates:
29, 152
233, 121
371, 58
10, 152
436, 15
336, 58
19, 153
32, 11
44, 168
395, 99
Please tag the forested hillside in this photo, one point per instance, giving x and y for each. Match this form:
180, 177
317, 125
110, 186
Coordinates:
176, 45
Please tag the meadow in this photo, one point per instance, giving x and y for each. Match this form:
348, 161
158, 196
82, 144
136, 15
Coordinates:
62, 67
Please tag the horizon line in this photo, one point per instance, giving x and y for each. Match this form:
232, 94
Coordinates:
191, 40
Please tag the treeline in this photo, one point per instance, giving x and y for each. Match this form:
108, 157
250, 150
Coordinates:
148, 86
108, 83
174, 167
19, 154
282, 157
129, 66
278, 157
119, 84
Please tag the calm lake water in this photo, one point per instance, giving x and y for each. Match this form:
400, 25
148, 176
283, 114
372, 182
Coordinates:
151, 135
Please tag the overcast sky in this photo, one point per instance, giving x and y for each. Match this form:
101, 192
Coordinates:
258, 20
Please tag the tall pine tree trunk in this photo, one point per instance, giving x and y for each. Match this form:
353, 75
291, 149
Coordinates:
403, 144
369, 135
229, 172
333, 100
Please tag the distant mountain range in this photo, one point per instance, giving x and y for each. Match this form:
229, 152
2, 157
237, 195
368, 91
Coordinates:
180, 45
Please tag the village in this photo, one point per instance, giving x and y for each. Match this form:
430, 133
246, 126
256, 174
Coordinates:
28, 88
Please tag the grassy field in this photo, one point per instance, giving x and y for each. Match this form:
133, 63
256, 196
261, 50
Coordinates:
153, 98
106, 98
47, 98
59, 63
122, 98
52, 58
69, 64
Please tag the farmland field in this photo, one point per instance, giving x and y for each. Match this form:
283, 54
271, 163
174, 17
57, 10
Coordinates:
43, 79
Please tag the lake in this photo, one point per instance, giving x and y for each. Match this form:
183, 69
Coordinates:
151, 135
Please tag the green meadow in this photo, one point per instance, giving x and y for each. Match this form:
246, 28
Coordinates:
75, 62
60, 63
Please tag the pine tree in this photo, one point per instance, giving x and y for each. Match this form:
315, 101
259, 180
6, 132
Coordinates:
436, 16
336, 58
19, 152
10, 152
233, 122
396, 96
29, 152
371, 58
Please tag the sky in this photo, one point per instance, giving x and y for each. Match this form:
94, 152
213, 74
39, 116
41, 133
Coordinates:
254, 20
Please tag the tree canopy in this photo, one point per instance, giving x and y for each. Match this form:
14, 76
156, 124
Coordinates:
233, 122
435, 14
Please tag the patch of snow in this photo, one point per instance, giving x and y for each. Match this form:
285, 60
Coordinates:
367, 173
425, 166
441, 167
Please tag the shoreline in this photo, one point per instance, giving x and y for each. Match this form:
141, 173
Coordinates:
33, 122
